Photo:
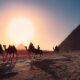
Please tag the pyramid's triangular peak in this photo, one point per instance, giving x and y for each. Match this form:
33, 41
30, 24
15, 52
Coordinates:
72, 42
21, 46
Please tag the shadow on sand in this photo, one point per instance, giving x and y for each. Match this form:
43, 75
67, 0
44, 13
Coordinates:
50, 66
6, 70
45, 66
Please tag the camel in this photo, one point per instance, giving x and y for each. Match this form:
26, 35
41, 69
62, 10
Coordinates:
1, 52
11, 51
38, 52
29, 52
33, 51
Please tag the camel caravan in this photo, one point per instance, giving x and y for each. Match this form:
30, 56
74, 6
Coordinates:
33, 51
10, 52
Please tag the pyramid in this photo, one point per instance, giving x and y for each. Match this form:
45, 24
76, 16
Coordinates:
72, 42
20, 47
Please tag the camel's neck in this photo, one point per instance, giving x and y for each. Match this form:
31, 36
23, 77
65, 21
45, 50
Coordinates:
5, 48
25, 47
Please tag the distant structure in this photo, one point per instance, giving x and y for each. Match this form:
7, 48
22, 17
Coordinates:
21, 47
72, 42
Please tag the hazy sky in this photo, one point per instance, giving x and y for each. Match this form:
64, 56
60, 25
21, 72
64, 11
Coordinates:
53, 19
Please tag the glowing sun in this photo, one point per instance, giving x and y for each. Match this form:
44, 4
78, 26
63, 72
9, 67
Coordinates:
20, 30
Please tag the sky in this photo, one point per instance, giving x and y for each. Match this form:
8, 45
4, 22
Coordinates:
53, 20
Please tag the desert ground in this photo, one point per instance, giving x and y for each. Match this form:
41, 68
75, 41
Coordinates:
50, 66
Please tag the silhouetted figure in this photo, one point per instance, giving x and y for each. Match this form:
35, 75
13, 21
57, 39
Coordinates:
31, 47
1, 52
38, 51
38, 47
14, 50
11, 51
31, 50
56, 49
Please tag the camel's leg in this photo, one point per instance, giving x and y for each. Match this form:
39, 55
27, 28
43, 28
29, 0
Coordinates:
13, 57
29, 55
9, 57
3, 57
34, 55
40, 54
6, 56
0, 56
16, 56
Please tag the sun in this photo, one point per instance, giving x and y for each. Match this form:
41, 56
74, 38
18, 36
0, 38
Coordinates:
20, 30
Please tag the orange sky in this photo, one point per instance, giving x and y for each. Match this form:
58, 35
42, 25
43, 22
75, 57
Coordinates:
53, 20
40, 36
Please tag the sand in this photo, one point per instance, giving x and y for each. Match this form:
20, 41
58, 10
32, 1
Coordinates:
58, 66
